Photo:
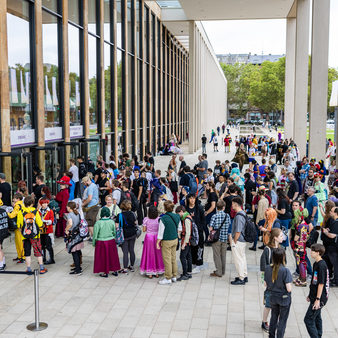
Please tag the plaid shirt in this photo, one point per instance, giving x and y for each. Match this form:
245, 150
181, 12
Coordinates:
217, 220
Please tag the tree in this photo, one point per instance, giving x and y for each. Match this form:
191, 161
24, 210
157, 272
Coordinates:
266, 88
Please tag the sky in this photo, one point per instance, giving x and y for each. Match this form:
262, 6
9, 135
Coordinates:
262, 36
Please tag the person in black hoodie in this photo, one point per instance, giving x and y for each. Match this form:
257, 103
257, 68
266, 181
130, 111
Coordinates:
195, 209
249, 187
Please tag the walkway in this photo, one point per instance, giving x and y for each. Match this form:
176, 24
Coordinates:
134, 306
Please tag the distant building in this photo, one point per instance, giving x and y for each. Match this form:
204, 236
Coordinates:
254, 59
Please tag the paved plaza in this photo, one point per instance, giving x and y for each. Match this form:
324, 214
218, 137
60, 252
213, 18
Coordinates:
134, 306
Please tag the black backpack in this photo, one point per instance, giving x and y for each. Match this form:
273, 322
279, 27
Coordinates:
130, 196
249, 232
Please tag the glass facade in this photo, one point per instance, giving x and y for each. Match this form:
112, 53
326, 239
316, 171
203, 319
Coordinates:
19, 63
50, 51
134, 66
75, 88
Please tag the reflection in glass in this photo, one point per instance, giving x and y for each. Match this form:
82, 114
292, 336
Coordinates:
50, 4
146, 33
74, 11
138, 29
92, 84
106, 25
92, 16
131, 112
119, 23
119, 88
107, 87
130, 12
19, 64
50, 70
74, 75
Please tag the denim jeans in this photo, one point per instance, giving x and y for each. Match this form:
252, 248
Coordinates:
279, 317
286, 224
186, 260
313, 322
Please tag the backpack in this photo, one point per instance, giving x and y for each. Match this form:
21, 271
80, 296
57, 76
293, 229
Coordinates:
250, 232
130, 196
29, 229
193, 188
194, 239
83, 228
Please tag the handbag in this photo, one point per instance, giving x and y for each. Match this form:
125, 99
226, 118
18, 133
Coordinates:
119, 239
214, 234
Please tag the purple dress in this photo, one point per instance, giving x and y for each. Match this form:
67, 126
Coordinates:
151, 261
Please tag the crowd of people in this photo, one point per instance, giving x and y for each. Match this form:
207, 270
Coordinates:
188, 209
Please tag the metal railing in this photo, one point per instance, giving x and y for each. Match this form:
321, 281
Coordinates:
37, 325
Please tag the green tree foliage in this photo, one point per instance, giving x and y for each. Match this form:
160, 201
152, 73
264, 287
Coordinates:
267, 88
262, 86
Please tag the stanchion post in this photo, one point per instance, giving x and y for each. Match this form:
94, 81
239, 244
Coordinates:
37, 325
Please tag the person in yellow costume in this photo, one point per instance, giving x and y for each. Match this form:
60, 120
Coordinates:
28, 221
18, 205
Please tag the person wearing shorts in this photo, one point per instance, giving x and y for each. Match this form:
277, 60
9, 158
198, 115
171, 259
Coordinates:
29, 243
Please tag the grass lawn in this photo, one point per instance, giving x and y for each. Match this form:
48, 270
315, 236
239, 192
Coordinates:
329, 132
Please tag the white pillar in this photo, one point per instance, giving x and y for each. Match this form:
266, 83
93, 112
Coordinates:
192, 87
290, 59
301, 74
319, 77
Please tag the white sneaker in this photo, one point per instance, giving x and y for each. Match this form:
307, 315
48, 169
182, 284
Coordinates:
164, 281
196, 270
174, 279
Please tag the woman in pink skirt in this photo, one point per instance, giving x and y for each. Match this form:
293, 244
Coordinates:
106, 258
151, 261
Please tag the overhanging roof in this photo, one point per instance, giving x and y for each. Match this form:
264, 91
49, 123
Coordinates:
202, 10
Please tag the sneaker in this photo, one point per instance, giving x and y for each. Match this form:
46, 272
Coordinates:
42, 271
196, 270
16, 259
124, 271
131, 268
20, 261
29, 272
253, 248
174, 279
164, 281
189, 275
90, 239
238, 282
78, 273
2, 268
265, 326
183, 277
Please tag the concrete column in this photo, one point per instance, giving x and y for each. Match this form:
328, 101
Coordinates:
4, 88
192, 87
319, 77
301, 74
290, 59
